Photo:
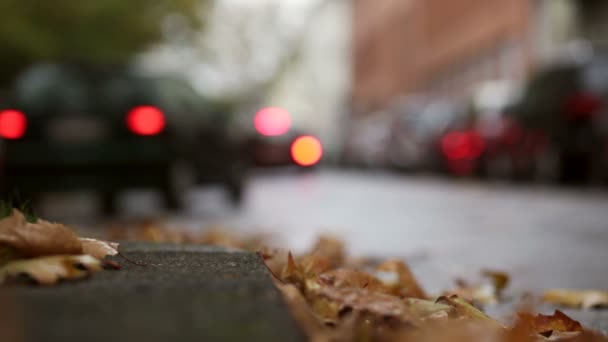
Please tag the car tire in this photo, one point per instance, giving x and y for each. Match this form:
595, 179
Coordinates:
179, 179
108, 203
235, 194
574, 168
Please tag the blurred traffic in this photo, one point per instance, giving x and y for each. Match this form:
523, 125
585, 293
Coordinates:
203, 92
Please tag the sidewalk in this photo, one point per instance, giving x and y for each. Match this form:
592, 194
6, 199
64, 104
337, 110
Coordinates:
185, 293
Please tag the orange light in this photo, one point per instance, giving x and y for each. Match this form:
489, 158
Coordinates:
306, 150
146, 120
272, 121
13, 124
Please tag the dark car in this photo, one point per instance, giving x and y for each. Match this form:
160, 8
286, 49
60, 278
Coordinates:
109, 129
275, 143
561, 121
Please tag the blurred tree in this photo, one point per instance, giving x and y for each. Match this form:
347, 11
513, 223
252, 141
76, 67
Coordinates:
93, 31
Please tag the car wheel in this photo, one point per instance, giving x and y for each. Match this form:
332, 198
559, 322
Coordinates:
574, 168
179, 179
108, 203
235, 193
235, 186
547, 166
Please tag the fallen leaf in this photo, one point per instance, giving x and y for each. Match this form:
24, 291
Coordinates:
464, 309
546, 325
49, 270
500, 280
365, 300
405, 283
487, 292
577, 298
98, 248
41, 238
331, 247
345, 278
300, 309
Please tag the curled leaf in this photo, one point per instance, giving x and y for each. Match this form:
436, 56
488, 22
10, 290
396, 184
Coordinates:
405, 283
41, 238
98, 248
546, 325
577, 298
49, 270
464, 309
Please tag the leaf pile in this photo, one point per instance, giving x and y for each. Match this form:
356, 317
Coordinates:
338, 301
46, 252
335, 298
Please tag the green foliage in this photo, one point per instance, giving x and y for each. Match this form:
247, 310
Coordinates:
92, 31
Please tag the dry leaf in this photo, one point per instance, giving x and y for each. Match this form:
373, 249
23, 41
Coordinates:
488, 292
41, 238
345, 278
98, 248
405, 284
547, 325
577, 298
49, 270
464, 309
300, 309
365, 300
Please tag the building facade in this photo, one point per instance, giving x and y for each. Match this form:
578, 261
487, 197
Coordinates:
437, 47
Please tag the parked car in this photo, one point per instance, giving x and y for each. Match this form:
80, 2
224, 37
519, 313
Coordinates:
561, 122
109, 129
366, 140
418, 133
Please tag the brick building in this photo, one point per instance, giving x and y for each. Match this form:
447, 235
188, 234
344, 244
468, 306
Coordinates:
437, 47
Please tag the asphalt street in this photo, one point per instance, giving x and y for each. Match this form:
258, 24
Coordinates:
546, 237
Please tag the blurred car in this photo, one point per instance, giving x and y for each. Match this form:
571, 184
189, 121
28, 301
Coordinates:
109, 129
275, 142
415, 142
366, 141
559, 126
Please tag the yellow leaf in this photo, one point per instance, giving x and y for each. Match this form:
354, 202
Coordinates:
49, 270
98, 248
41, 238
577, 298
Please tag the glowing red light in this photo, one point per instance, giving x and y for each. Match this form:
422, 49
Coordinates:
306, 150
272, 121
13, 124
146, 120
462, 145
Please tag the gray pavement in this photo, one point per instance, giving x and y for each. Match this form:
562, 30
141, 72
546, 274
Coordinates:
185, 293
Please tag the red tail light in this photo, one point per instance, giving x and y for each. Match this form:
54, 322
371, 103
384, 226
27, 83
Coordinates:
146, 120
462, 145
13, 124
582, 105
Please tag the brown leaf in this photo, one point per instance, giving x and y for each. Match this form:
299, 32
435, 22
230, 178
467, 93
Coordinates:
41, 238
365, 300
500, 280
406, 284
464, 309
300, 309
546, 325
345, 278
577, 298
49, 270
332, 248
98, 248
